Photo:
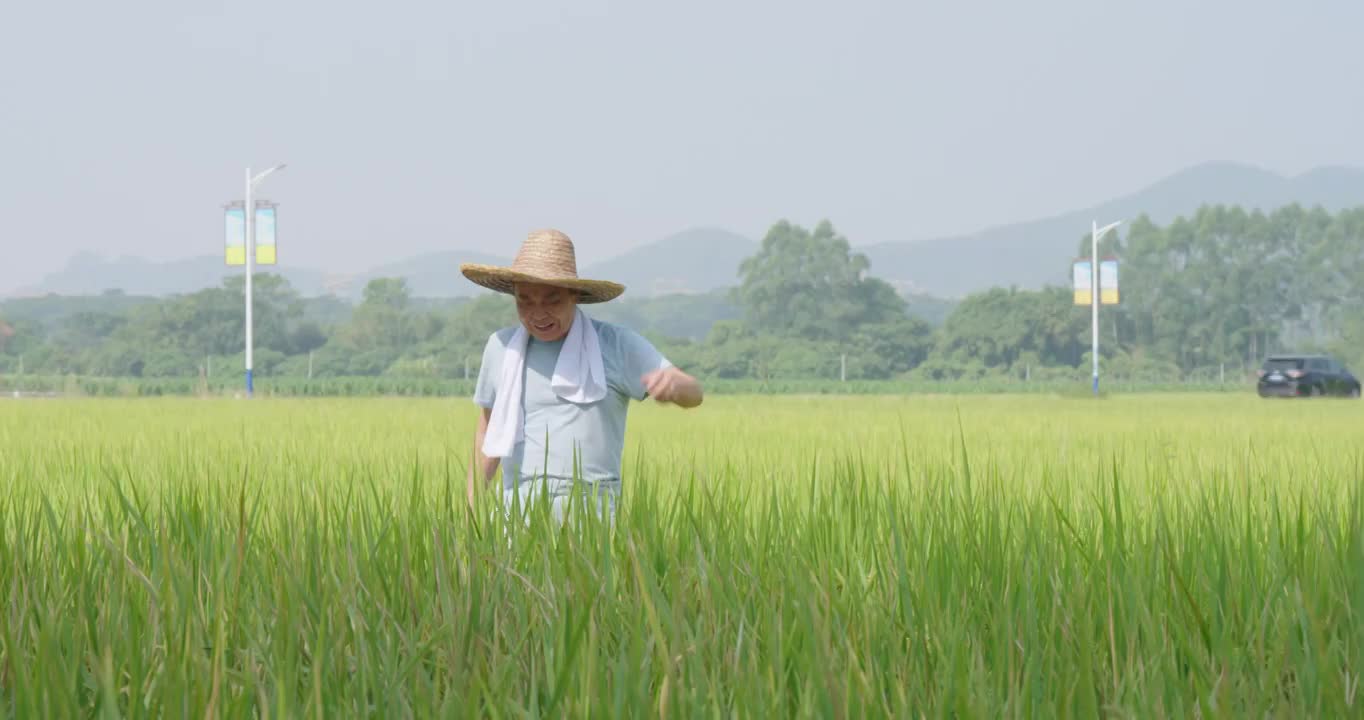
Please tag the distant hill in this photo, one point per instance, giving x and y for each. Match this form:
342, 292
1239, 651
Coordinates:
701, 260
91, 274
692, 262
432, 275
52, 309
1032, 254
87, 274
687, 317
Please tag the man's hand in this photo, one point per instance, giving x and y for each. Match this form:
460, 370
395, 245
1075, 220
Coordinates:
481, 467
671, 385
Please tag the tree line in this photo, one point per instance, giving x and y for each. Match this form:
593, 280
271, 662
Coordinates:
1222, 288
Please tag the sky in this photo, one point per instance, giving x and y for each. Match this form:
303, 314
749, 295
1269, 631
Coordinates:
413, 126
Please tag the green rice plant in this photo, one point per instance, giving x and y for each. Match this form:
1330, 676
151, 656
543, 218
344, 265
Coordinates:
926, 556
386, 386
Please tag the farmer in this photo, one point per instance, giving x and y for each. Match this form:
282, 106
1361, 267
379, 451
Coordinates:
553, 393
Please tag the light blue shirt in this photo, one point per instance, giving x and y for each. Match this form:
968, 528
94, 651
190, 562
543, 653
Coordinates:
554, 427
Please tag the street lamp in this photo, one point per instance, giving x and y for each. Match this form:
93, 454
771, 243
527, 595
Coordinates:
250, 211
1097, 232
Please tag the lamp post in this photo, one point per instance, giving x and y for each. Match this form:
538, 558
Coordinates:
249, 211
1096, 233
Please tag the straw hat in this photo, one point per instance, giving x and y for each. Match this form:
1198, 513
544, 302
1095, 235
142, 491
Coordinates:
547, 258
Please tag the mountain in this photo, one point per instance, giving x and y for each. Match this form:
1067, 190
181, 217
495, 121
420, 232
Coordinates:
1036, 253
697, 261
90, 274
50, 311
691, 262
429, 275
432, 275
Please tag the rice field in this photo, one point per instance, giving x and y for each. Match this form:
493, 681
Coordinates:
984, 556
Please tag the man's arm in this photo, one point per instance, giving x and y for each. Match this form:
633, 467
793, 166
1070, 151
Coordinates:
671, 385
658, 378
487, 466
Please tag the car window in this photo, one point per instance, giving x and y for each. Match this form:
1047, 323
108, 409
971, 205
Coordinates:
1283, 364
1318, 365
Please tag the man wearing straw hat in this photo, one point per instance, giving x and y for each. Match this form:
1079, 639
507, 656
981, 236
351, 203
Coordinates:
554, 392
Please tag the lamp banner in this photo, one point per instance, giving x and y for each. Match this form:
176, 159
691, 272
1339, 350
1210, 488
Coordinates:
1083, 278
1108, 282
235, 227
265, 234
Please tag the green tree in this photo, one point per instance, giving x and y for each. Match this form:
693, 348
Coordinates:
307, 337
22, 337
1002, 328
391, 293
811, 285
466, 331
1228, 286
888, 350
382, 330
6, 332
380, 321
86, 329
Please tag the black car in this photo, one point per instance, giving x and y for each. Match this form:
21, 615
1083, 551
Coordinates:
1306, 375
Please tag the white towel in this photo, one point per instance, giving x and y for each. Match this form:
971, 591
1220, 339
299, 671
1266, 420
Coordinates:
579, 377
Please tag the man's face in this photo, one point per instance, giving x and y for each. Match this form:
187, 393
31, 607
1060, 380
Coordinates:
545, 311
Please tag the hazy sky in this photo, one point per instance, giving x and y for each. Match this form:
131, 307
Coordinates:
424, 125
